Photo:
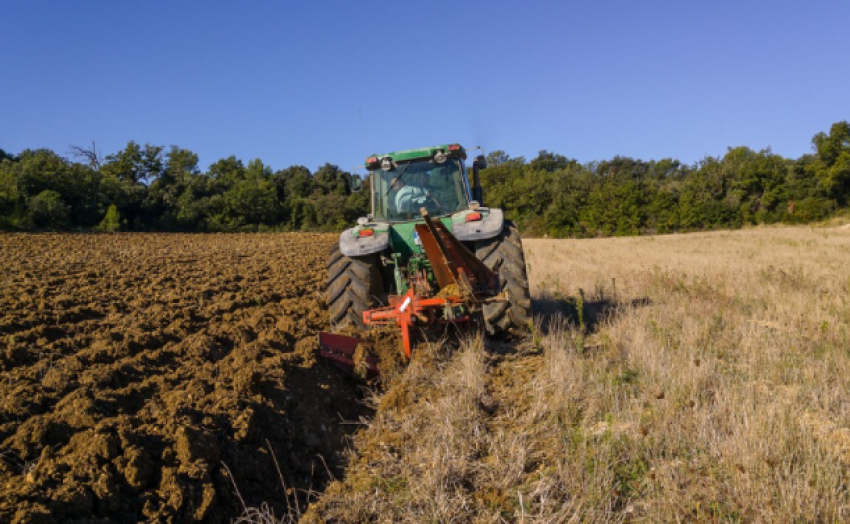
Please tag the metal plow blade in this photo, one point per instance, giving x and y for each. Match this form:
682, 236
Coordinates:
340, 350
453, 264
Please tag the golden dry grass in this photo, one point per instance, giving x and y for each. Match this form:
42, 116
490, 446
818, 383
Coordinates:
699, 377
721, 364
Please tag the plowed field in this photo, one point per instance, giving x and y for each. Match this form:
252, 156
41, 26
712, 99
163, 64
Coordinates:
164, 377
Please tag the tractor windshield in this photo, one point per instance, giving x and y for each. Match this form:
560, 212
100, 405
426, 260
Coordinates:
399, 194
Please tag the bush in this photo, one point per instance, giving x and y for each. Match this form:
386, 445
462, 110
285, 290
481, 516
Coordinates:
48, 210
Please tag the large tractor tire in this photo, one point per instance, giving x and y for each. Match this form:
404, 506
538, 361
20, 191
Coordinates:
512, 318
354, 285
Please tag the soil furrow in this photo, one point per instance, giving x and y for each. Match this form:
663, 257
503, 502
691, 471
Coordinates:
147, 377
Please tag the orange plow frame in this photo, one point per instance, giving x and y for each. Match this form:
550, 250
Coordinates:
410, 310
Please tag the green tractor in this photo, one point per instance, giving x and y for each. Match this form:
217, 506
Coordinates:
374, 263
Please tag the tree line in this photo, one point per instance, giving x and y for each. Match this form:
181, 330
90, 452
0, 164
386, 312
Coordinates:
559, 197
151, 188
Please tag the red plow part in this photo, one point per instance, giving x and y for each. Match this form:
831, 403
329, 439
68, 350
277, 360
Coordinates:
340, 349
409, 310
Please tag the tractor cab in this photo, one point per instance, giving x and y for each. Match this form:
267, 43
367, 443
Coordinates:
406, 182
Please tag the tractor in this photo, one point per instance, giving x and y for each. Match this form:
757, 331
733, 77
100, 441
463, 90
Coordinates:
430, 254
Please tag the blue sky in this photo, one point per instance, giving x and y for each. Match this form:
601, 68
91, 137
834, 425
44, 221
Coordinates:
314, 82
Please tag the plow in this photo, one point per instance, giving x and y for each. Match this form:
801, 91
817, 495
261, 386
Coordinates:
426, 260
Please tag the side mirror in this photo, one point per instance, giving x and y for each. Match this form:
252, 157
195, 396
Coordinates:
478, 164
356, 183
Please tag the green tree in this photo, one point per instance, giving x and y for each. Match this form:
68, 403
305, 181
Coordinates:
126, 176
228, 169
330, 212
42, 170
497, 158
134, 163
297, 181
331, 179
6, 156
180, 167
112, 221
832, 166
257, 170
128, 196
571, 188
249, 202
47, 210
550, 162
12, 204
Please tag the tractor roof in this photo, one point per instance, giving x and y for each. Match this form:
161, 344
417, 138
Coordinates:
454, 150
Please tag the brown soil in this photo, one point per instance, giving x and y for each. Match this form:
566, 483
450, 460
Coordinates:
165, 378
382, 347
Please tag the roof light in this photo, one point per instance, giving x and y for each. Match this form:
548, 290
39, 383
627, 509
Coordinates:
387, 164
372, 160
472, 217
439, 157
454, 147
366, 232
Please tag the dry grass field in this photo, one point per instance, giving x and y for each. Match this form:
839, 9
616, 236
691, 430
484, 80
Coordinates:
699, 377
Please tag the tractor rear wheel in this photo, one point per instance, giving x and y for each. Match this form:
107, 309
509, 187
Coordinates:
354, 285
511, 318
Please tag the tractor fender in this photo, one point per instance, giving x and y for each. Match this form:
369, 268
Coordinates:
353, 245
490, 225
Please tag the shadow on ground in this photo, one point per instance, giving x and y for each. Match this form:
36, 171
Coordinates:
549, 309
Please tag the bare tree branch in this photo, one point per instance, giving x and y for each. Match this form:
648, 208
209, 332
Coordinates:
92, 155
